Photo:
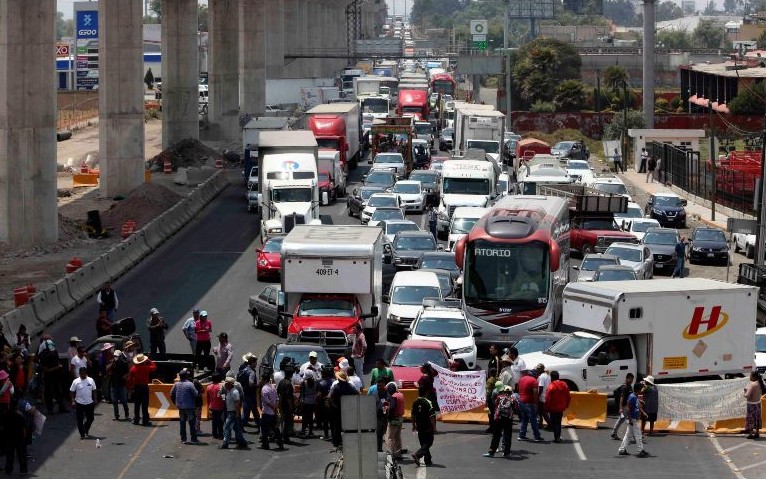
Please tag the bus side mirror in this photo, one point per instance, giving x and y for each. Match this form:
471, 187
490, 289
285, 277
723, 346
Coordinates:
460, 251
555, 256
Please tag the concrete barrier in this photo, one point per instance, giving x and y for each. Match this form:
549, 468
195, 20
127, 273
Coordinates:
96, 274
23, 315
64, 296
474, 416
586, 410
737, 425
675, 427
156, 232
79, 286
409, 397
112, 264
135, 247
161, 408
46, 306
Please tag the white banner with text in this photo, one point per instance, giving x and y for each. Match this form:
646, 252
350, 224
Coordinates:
705, 401
459, 391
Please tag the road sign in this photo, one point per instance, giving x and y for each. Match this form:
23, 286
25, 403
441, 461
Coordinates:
531, 9
481, 45
742, 226
480, 38
479, 27
62, 49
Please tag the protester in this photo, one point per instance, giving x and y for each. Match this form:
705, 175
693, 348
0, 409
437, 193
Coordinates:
680, 254
632, 432
138, 382
224, 353
188, 330
489, 388
22, 338
183, 394
506, 373
74, 343
359, 349
233, 401
198, 403
617, 159
651, 165
323, 403
84, 400
308, 399
427, 376
543, 380
129, 350
395, 412
103, 325
81, 360
557, 397
312, 365
644, 160
517, 367
337, 391
16, 437
17, 372
108, 301
753, 393
286, 394
269, 402
424, 423
157, 327
528, 398
202, 329
379, 392
505, 406
494, 358
381, 370
354, 378
248, 378
216, 405
651, 404
118, 369
6, 392
621, 398
53, 377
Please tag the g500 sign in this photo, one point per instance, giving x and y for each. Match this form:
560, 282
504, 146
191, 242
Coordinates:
87, 24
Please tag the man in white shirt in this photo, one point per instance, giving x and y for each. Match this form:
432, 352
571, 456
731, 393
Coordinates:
188, 329
543, 381
83, 392
81, 360
518, 365
312, 365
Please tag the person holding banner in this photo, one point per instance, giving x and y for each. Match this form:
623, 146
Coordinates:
505, 407
394, 412
424, 423
753, 393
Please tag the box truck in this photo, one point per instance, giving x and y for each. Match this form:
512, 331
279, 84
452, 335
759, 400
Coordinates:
337, 126
332, 280
672, 329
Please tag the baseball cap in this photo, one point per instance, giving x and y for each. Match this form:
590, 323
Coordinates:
313, 354
154, 311
203, 313
195, 310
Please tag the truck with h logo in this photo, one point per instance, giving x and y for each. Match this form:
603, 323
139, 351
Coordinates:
673, 329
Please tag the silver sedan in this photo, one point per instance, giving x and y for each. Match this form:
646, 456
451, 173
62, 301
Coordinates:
636, 256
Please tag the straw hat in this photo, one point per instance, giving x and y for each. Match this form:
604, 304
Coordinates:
341, 376
141, 358
649, 379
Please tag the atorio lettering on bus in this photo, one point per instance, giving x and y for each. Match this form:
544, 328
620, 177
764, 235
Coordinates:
506, 253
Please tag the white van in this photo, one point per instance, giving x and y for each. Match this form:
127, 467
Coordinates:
405, 299
462, 221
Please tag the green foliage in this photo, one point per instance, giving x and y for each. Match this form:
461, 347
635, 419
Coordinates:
733, 6
710, 8
749, 100
542, 107
569, 96
614, 77
541, 65
675, 103
761, 40
64, 28
616, 128
678, 39
621, 12
708, 34
668, 10
661, 104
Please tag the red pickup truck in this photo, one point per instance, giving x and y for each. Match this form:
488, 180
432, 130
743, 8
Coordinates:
327, 320
595, 232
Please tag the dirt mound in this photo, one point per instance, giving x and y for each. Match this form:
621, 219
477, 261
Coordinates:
142, 205
186, 153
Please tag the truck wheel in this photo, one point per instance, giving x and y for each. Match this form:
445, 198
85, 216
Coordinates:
350, 213
371, 335
586, 249
572, 386
281, 328
750, 251
736, 247
257, 322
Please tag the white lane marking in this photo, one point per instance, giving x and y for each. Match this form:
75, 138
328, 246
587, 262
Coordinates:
750, 466
742, 444
576, 443
734, 469
422, 472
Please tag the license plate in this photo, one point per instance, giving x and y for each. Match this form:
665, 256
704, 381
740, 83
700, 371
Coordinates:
710, 255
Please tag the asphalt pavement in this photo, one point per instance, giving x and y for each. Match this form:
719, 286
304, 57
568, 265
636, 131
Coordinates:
211, 264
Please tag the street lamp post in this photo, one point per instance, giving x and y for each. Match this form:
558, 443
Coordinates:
625, 122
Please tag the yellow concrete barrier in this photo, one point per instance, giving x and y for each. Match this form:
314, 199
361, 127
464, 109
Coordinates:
675, 427
409, 397
586, 410
474, 416
161, 408
737, 425
81, 179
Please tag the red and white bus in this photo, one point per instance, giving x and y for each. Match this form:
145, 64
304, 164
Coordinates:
515, 264
443, 83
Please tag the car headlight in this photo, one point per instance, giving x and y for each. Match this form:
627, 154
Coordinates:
397, 260
658, 212
466, 350
275, 230
292, 337
600, 240
696, 248
262, 262
394, 318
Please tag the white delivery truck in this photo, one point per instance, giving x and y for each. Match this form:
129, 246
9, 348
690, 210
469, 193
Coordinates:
672, 329
481, 128
464, 183
329, 160
289, 181
336, 126
366, 86
462, 221
332, 280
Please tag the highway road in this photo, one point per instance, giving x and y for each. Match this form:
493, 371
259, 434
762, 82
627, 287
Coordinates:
211, 264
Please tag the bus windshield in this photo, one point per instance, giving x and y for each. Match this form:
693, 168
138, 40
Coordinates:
375, 105
465, 186
506, 275
444, 86
486, 145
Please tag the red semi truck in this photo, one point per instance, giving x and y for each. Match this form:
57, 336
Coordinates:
337, 126
413, 102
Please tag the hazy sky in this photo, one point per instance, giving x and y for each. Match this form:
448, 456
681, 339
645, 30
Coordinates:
398, 6
67, 6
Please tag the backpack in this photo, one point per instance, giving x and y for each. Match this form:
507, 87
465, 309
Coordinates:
652, 163
506, 406
243, 377
618, 393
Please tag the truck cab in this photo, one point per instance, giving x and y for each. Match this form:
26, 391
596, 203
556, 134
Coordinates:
464, 183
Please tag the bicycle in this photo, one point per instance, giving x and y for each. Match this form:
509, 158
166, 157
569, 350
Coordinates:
334, 470
393, 469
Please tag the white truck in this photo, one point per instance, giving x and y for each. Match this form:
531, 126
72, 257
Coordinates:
332, 280
672, 329
329, 160
462, 221
464, 183
288, 180
479, 127
366, 86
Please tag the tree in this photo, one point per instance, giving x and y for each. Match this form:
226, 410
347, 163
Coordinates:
668, 10
155, 7
569, 96
710, 8
64, 28
616, 128
749, 100
678, 39
202, 17
621, 12
541, 65
732, 6
615, 77
708, 34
